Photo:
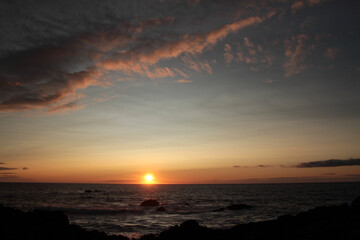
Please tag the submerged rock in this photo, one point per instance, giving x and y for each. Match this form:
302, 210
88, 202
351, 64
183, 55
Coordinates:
233, 207
150, 203
160, 209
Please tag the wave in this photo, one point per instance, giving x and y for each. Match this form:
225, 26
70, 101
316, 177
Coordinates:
91, 211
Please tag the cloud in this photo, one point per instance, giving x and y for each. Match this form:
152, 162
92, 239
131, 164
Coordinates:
257, 166
25, 168
2, 163
303, 3
330, 163
50, 76
270, 81
6, 169
188, 45
13, 178
183, 81
263, 166
197, 65
254, 55
296, 179
331, 53
50, 72
119, 181
247, 51
297, 48
228, 54
237, 166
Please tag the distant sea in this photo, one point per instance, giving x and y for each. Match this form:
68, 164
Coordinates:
115, 209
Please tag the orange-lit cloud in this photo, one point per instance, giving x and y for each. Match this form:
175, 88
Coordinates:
196, 64
228, 54
303, 3
253, 55
297, 48
183, 81
50, 77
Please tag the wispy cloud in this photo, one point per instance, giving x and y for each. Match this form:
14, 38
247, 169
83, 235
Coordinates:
13, 178
332, 53
330, 163
238, 166
297, 48
195, 64
6, 169
263, 166
297, 179
228, 53
51, 75
257, 166
303, 3
183, 81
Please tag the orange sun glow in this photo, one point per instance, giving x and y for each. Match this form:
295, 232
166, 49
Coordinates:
149, 178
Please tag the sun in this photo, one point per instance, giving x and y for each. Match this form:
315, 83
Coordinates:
149, 178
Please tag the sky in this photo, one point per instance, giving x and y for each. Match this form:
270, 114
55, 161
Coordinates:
191, 91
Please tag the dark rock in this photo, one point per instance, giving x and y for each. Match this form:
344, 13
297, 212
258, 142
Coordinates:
190, 225
150, 203
149, 237
44, 225
234, 207
92, 191
219, 210
238, 207
160, 209
355, 205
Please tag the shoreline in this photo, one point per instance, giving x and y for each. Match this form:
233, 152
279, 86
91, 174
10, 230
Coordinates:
323, 222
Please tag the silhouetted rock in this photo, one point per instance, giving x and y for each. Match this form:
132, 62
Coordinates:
44, 225
160, 209
190, 225
150, 203
355, 205
92, 191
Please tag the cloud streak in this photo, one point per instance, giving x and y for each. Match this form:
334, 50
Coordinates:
330, 163
51, 76
6, 169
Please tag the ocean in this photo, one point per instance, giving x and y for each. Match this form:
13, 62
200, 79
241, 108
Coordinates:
115, 209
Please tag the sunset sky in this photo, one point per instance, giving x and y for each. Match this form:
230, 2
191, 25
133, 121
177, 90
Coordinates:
191, 91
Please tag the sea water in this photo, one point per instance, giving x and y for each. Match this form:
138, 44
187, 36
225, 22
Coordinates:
115, 209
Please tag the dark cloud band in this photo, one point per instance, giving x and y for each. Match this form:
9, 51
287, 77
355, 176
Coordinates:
330, 163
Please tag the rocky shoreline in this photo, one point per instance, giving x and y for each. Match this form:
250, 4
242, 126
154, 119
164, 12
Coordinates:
331, 222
